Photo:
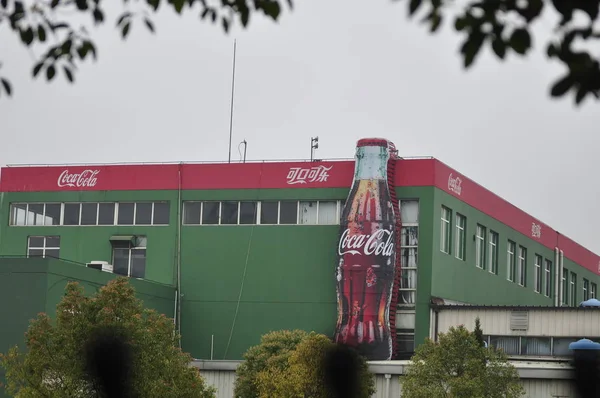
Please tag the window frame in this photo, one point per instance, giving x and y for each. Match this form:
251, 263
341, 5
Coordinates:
493, 242
130, 248
573, 289
44, 247
522, 266
446, 230
461, 236
511, 266
480, 246
538, 284
411, 291
586, 289
548, 278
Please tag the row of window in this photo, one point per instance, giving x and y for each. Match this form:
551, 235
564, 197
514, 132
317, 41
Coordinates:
127, 259
486, 257
534, 346
89, 213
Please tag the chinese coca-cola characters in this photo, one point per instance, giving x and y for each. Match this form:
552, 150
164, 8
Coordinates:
367, 253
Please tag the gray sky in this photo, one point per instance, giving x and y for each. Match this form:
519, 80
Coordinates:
336, 69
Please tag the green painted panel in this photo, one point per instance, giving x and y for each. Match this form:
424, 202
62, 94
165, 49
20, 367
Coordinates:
459, 280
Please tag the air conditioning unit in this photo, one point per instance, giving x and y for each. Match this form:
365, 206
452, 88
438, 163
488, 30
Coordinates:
100, 266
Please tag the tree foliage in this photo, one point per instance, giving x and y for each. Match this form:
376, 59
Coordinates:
478, 332
505, 25
294, 368
452, 367
54, 365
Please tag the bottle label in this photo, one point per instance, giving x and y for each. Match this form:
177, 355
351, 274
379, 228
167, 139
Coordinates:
380, 243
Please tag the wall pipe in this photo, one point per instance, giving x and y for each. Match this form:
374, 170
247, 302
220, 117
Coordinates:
557, 279
388, 378
179, 221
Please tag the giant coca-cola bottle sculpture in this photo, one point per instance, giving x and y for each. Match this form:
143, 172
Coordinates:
367, 254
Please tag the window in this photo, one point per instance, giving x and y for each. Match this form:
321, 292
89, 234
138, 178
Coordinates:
308, 213
548, 278
288, 212
90, 213
522, 266
586, 289
269, 212
409, 213
565, 286
573, 290
593, 290
445, 230
228, 212
493, 256
461, 237
480, 247
511, 263
43, 246
537, 285
248, 212
130, 259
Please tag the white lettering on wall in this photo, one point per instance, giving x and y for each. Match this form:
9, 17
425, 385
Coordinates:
86, 178
536, 230
380, 243
299, 175
455, 184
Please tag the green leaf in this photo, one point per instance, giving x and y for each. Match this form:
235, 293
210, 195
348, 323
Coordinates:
413, 6
27, 36
4, 3
69, 74
520, 41
7, 86
552, 50
436, 21
154, 4
225, 24
50, 72
82, 5
98, 16
37, 68
563, 85
580, 96
471, 47
178, 5
66, 46
54, 3
499, 47
149, 24
245, 17
460, 23
122, 18
41, 33
125, 30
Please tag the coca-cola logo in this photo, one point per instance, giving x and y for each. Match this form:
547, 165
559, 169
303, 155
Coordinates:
454, 184
87, 178
380, 243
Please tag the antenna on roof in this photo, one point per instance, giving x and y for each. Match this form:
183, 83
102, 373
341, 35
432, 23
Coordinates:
314, 145
232, 93
245, 144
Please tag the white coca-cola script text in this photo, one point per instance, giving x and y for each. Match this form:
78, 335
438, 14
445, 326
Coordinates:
454, 184
536, 230
380, 243
299, 175
87, 178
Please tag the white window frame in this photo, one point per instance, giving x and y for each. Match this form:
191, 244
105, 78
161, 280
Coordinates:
416, 247
586, 288
511, 265
480, 246
446, 230
522, 266
45, 246
572, 288
461, 237
538, 284
593, 290
565, 286
129, 250
494, 238
547, 278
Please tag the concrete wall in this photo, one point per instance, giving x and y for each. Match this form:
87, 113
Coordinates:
540, 379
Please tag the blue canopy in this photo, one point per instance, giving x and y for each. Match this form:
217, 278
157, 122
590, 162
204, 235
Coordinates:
590, 303
584, 344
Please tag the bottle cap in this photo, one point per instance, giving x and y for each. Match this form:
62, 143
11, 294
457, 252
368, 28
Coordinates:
372, 142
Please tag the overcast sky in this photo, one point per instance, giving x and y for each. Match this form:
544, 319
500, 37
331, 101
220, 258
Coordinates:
339, 70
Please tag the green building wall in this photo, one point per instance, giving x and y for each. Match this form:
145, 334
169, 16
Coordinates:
32, 286
241, 281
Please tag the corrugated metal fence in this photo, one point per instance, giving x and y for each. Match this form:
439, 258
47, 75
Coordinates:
540, 379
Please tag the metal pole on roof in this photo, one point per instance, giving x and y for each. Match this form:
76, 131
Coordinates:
232, 93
